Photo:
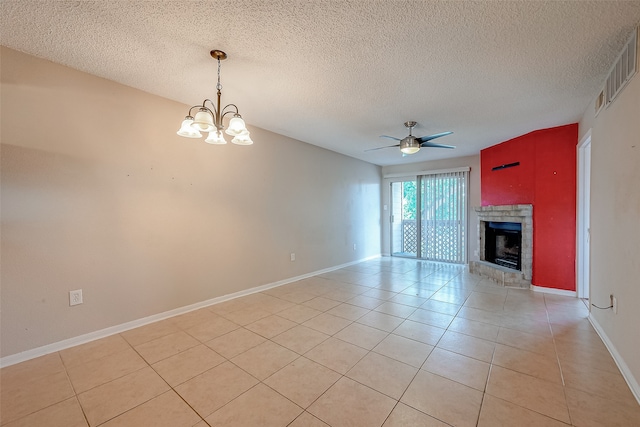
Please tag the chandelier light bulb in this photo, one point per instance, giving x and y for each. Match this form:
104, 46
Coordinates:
242, 139
187, 131
203, 122
216, 138
236, 126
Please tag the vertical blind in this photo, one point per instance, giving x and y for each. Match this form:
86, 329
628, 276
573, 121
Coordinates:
443, 216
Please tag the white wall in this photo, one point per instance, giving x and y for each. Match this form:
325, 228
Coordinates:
99, 193
474, 195
615, 221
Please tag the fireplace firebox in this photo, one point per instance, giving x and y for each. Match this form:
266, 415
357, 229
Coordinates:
503, 241
505, 232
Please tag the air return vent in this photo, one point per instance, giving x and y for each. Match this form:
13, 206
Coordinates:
625, 67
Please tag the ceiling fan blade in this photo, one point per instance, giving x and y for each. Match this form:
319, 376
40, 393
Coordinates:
434, 145
430, 137
390, 137
380, 148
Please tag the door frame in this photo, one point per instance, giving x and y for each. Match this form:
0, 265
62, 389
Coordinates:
391, 216
583, 224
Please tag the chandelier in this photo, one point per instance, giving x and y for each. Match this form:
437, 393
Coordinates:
210, 118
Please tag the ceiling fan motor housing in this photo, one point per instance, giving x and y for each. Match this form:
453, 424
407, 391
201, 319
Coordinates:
409, 145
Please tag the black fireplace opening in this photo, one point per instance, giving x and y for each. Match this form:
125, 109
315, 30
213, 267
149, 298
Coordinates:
503, 242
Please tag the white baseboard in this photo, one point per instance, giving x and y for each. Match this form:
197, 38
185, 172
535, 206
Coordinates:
554, 291
92, 336
624, 369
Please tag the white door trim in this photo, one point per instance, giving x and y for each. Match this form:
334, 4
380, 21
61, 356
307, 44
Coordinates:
583, 223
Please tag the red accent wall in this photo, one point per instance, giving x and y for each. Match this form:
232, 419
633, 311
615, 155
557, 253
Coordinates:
546, 179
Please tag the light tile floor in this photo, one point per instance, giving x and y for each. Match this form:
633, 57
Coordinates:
388, 342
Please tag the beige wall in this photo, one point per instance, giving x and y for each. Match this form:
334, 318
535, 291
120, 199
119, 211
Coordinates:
99, 193
474, 195
615, 219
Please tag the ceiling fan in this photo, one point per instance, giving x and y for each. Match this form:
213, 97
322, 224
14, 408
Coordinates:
411, 144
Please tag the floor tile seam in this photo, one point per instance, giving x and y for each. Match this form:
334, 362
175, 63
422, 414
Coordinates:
458, 316
531, 410
150, 365
143, 403
298, 356
548, 337
229, 402
395, 315
550, 383
307, 351
391, 412
36, 379
629, 401
555, 354
425, 413
422, 368
602, 349
121, 413
533, 353
367, 349
555, 349
76, 393
379, 391
517, 404
74, 396
414, 340
256, 332
583, 367
388, 357
147, 364
373, 350
305, 320
466, 355
67, 366
323, 365
174, 354
340, 376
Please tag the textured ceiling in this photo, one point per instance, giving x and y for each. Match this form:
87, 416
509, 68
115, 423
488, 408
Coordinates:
338, 74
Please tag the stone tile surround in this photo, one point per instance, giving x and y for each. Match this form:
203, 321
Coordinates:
504, 276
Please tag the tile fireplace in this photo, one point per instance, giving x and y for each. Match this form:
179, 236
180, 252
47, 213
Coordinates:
505, 244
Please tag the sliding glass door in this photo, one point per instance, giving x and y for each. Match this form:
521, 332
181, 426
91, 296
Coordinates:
428, 217
404, 219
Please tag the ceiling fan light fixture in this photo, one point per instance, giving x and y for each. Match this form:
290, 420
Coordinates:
409, 145
410, 150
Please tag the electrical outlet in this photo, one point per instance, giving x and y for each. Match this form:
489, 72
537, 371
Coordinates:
354, 246
75, 297
293, 256
614, 304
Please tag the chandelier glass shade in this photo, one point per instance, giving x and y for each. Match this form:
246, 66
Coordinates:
210, 118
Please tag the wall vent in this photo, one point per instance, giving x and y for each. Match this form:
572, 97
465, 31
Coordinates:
600, 101
624, 68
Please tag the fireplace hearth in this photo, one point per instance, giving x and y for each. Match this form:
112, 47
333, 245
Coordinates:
506, 244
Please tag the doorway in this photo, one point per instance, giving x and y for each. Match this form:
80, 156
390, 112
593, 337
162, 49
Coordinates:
428, 217
405, 219
584, 200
